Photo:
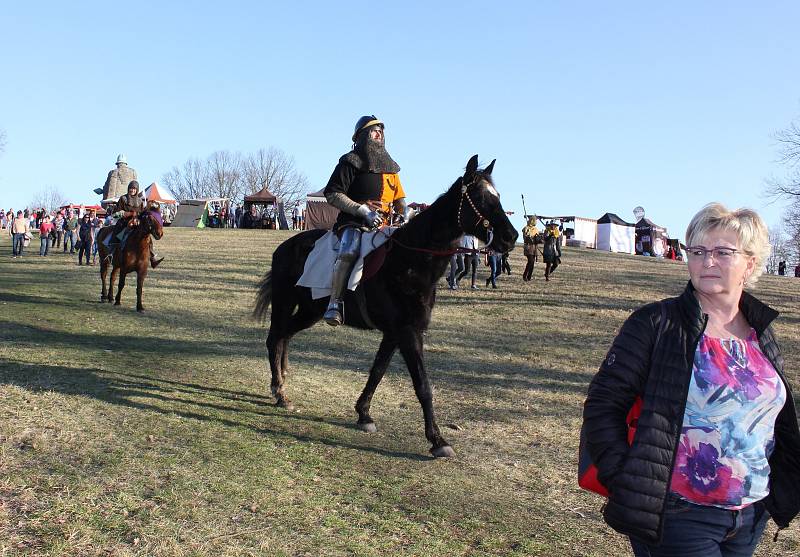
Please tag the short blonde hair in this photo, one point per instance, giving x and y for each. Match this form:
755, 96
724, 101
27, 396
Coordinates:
746, 223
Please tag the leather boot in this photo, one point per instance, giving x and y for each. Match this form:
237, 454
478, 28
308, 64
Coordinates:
154, 259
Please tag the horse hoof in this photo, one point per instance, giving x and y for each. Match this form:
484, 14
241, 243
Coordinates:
140, 310
445, 451
116, 303
368, 427
286, 405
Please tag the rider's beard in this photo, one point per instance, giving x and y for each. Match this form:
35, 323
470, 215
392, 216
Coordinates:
377, 158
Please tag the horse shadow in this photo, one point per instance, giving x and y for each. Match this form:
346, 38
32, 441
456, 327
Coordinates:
127, 390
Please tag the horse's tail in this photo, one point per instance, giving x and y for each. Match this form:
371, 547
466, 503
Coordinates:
264, 297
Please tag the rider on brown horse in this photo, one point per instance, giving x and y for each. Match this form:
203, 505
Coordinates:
129, 206
365, 188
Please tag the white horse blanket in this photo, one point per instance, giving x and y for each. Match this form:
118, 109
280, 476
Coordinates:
318, 270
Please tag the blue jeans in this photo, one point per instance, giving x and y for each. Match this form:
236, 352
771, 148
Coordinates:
44, 245
69, 238
18, 242
494, 266
700, 531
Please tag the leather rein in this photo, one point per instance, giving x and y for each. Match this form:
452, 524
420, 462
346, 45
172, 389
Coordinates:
459, 250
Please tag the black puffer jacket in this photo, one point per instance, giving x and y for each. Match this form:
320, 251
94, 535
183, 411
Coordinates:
638, 477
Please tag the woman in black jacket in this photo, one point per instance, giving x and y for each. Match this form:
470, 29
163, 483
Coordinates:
717, 448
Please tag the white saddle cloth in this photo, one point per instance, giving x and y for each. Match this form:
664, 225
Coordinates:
318, 270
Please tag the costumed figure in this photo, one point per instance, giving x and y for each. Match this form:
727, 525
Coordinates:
551, 252
365, 188
129, 206
532, 238
118, 179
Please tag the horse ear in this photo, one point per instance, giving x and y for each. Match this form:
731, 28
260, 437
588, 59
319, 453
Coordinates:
472, 167
488, 169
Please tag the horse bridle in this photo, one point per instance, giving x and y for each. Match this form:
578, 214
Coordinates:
480, 218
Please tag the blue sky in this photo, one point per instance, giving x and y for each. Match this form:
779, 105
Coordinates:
588, 107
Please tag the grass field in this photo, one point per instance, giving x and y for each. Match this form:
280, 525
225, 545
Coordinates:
153, 434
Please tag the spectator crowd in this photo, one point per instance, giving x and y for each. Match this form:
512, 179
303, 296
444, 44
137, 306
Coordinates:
64, 229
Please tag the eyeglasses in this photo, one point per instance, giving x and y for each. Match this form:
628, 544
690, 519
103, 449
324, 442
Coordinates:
720, 254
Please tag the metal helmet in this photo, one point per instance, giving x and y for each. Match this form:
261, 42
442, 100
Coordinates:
121, 159
365, 122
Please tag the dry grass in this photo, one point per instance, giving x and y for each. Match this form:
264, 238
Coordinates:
127, 434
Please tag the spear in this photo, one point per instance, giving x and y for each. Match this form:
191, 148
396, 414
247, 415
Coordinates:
524, 210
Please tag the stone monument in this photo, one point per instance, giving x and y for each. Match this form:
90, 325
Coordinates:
118, 179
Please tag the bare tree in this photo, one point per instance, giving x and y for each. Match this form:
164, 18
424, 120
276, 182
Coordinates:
781, 249
791, 224
224, 170
788, 188
275, 170
190, 182
233, 176
49, 198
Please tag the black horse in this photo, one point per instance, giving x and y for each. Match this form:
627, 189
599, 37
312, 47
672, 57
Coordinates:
399, 297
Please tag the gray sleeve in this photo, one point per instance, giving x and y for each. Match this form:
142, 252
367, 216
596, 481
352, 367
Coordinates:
342, 202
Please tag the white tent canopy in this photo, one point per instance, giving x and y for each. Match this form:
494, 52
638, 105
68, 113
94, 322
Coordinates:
584, 231
194, 212
615, 235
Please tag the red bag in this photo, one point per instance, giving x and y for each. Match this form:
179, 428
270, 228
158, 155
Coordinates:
587, 471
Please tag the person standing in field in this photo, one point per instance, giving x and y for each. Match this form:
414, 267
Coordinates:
717, 449
45, 229
84, 239
18, 230
71, 225
58, 229
493, 260
96, 226
551, 253
531, 238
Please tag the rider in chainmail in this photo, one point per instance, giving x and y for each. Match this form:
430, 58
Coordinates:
365, 187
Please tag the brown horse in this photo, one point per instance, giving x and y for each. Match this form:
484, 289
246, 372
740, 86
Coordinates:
135, 256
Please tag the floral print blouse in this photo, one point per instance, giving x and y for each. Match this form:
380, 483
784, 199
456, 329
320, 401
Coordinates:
729, 424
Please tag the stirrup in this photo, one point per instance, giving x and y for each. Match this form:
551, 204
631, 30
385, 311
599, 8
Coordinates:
333, 315
155, 262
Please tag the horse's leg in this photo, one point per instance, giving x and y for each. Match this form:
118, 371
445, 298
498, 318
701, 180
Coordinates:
114, 273
103, 274
141, 273
280, 333
411, 349
376, 372
120, 286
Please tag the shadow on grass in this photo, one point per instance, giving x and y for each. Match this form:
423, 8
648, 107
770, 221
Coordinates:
119, 389
124, 343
